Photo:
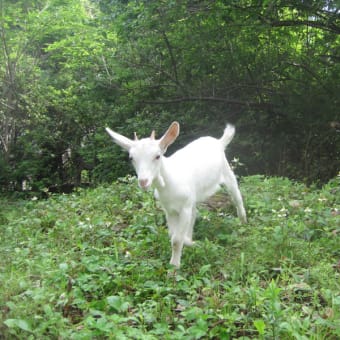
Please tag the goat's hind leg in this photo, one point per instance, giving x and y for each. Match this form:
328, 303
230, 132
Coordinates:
234, 191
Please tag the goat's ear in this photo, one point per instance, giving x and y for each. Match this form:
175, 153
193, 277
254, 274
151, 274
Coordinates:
169, 136
122, 141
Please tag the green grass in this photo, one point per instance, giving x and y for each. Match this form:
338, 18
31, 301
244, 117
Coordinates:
94, 265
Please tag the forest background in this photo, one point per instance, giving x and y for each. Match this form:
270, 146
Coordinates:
68, 68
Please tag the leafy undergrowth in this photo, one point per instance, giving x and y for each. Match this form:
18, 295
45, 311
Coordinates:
93, 265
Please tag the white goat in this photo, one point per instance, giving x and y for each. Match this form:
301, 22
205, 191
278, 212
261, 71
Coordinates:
190, 175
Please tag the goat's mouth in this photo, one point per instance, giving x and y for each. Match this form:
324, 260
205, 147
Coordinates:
144, 184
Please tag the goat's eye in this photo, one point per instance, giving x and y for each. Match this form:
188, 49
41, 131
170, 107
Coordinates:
157, 157
130, 158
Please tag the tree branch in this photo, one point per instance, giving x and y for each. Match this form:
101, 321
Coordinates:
316, 24
213, 99
172, 58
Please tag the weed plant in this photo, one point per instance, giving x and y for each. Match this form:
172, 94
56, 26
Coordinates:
94, 265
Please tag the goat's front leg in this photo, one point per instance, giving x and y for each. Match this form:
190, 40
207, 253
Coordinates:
180, 230
188, 236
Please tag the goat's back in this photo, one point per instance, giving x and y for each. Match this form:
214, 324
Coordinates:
198, 149
199, 166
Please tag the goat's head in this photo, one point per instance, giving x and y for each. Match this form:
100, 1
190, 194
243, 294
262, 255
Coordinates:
146, 154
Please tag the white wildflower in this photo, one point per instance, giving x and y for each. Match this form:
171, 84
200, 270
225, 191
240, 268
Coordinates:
283, 212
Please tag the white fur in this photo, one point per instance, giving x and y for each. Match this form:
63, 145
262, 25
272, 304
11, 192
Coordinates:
189, 176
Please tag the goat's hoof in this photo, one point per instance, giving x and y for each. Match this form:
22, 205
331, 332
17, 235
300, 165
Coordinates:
172, 273
176, 264
188, 242
243, 219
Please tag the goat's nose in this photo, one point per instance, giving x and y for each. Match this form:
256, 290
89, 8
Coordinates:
143, 183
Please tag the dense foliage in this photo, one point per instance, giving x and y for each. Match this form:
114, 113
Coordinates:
94, 265
69, 68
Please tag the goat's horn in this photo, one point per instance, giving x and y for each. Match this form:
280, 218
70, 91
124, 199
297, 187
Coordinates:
153, 135
135, 134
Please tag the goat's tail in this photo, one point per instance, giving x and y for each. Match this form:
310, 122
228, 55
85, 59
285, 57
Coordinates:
228, 135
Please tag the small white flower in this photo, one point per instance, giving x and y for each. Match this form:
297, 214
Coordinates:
283, 212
